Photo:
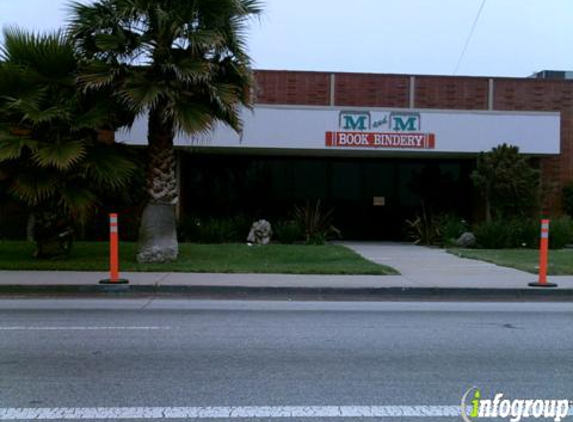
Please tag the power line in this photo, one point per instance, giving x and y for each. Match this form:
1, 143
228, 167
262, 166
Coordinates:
469, 36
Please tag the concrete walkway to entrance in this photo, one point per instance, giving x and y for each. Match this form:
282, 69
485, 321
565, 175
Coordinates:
432, 267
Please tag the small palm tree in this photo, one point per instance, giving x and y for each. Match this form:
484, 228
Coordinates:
181, 62
50, 135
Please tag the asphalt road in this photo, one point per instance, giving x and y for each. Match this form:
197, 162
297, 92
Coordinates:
167, 354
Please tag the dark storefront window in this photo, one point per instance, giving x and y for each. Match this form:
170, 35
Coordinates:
269, 187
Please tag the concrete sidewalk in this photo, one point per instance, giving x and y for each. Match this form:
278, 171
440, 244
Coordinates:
424, 272
433, 267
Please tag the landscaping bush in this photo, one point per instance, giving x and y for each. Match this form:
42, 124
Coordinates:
316, 223
529, 231
490, 235
431, 229
289, 231
560, 232
214, 230
424, 229
507, 183
501, 234
450, 228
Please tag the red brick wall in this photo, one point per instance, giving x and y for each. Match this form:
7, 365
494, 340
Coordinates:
300, 88
460, 93
371, 90
544, 95
532, 94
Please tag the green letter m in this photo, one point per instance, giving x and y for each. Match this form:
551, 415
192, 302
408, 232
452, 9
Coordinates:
410, 123
354, 121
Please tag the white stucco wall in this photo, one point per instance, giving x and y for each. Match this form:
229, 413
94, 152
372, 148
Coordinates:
305, 128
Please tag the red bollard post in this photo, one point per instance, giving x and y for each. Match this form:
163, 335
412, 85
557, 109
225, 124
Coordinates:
543, 253
114, 253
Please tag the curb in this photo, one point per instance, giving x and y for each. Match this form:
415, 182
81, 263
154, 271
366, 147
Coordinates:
303, 293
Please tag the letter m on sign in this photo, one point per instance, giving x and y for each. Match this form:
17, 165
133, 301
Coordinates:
354, 120
405, 122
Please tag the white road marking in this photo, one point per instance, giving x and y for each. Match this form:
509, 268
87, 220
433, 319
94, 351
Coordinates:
77, 328
240, 412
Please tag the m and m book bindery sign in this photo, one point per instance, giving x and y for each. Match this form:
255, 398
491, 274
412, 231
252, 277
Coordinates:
364, 129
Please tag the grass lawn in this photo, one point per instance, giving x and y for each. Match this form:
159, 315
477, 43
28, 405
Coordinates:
560, 260
225, 258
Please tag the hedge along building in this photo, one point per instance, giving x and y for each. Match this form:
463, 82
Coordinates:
378, 148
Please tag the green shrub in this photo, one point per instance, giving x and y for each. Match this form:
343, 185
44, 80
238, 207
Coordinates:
289, 231
490, 235
507, 183
214, 230
317, 239
501, 234
529, 231
187, 228
430, 229
316, 223
560, 232
450, 228
424, 229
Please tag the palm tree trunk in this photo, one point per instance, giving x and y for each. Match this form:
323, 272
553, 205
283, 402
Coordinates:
157, 233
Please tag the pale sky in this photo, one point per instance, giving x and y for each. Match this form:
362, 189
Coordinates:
512, 37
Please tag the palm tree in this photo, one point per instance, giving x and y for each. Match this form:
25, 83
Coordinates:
50, 135
181, 62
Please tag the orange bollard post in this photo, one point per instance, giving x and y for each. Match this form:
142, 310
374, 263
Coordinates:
114, 253
543, 254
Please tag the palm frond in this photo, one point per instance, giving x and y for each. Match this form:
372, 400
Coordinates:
141, 91
106, 29
11, 147
76, 200
187, 70
192, 117
33, 187
107, 166
61, 155
198, 42
51, 53
39, 104
38, 116
15, 80
97, 74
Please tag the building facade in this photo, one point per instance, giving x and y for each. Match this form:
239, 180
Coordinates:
378, 148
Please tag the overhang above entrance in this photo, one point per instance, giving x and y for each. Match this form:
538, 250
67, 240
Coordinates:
376, 131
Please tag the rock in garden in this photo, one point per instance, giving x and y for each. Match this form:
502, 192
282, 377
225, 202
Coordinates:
466, 240
260, 233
